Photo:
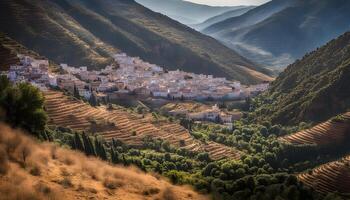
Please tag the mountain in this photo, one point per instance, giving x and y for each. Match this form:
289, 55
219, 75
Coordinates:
32, 170
184, 11
312, 89
222, 17
89, 32
8, 52
287, 31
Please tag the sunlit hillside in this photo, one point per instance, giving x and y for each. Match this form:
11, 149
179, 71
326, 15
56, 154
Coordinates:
30, 170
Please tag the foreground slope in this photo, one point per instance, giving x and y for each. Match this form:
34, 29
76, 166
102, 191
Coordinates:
332, 132
30, 170
314, 88
289, 33
130, 128
90, 32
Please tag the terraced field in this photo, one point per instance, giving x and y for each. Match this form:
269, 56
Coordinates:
329, 132
330, 177
68, 112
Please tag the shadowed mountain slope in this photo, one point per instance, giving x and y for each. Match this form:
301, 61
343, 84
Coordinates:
314, 88
293, 28
89, 32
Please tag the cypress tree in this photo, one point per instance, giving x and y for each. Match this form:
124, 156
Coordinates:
76, 92
113, 159
78, 143
88, 146
114, 143
93, 100
100, 149
103, 152
92, 148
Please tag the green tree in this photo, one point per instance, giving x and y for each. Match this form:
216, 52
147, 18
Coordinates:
88, 146
23, 106
76, 92
78, 144
93, 101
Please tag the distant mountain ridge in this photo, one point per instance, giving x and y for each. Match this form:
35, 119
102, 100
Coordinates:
89, 32
312, 89
218, 18
184, 11
280, 31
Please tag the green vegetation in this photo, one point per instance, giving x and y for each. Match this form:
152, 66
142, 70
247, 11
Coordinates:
21, 105
312, 89
90, 32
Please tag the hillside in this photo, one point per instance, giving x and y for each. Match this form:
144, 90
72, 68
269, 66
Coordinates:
312, 89
297, 29
222, 17
330, 177
8, 52
127, 127
332, 132
252, 17
89, 32
30, 170
184, 11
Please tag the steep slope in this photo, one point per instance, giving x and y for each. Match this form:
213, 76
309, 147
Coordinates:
89, 32
314, 88
129, 128
330, 177
8, 52
290, 33
218, 18
184, 11
252, 17
30, 170
331, 132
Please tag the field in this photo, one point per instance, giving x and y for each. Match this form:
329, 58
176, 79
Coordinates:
128, 127
330, 177
329, 132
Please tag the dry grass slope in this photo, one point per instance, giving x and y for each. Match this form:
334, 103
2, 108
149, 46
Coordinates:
130, 128
330, 177
30, 170
329, 132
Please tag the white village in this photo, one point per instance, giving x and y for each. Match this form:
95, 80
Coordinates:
133, 76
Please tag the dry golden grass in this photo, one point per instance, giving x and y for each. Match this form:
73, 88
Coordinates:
32, 170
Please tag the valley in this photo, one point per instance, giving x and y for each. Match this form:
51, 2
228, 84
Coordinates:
124, 99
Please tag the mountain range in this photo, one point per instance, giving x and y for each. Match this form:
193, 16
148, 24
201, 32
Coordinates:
222, 17
90, 32
186, 12
280, 31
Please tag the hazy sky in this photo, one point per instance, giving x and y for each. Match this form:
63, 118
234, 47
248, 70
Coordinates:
229, 2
